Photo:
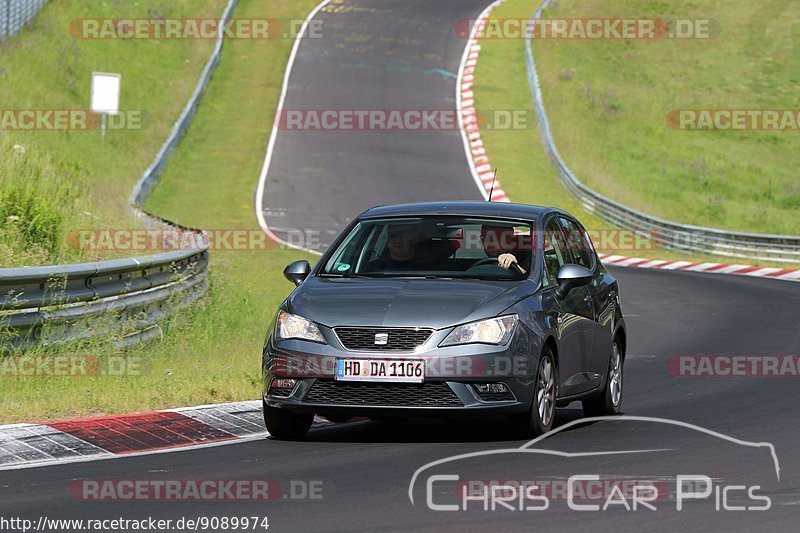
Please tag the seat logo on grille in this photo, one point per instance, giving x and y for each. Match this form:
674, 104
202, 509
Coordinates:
381, 339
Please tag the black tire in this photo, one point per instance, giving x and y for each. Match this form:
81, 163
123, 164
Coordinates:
286, 425
391, 419
338, 419
531, 423
604, 403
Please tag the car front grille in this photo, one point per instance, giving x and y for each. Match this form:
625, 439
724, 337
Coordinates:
406, 339
427, 394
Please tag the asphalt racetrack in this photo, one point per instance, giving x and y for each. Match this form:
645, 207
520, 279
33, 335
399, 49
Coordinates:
369, 472
374, 55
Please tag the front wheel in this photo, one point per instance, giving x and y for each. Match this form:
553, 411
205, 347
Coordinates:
286, 425
608, 402
538, 420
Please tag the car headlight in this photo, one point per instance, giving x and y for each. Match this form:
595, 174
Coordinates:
492, 331
291, 326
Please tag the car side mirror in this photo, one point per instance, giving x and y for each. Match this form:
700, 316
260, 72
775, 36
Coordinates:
571, 276
297, 272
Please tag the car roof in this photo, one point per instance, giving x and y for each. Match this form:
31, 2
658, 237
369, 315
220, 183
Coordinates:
464, 208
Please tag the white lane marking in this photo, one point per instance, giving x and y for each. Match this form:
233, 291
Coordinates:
262, 180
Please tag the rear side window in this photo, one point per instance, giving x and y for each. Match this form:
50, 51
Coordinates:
578, 243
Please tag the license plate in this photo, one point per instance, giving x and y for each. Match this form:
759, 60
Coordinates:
391, 370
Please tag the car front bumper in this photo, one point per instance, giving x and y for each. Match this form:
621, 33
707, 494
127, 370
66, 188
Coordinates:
449, 388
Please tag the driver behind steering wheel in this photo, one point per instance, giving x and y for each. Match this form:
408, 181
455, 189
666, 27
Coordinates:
499, 241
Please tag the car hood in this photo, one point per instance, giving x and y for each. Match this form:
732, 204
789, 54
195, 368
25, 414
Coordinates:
403, 302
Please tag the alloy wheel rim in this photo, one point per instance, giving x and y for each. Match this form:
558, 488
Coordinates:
546, 391
616, 375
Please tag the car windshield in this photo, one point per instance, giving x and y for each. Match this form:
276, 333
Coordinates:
434, 247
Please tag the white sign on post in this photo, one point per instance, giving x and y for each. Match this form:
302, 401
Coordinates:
105, 95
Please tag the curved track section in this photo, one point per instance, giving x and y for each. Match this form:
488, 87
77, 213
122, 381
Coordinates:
373, 55
318, 180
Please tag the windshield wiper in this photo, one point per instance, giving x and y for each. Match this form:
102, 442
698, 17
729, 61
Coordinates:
336, 275
416, 276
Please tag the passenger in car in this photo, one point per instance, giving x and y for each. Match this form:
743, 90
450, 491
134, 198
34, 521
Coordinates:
401, 248
499, 242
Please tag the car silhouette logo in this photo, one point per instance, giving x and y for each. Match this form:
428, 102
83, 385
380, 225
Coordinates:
381, 339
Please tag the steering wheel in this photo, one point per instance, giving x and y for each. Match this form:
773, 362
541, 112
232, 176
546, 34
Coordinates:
493, 260
485, 261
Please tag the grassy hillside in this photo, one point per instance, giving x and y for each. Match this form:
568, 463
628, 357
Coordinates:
608, 103
66, 180
213, 353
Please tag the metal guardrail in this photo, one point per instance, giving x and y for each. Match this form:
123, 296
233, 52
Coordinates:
670, 235
14, 14
125, 299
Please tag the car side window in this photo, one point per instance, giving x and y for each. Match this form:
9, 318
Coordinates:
589, 246
554, 254
578, 243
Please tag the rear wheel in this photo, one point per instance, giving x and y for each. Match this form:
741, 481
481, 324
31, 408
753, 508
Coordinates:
608, 402
286, 425
538, 420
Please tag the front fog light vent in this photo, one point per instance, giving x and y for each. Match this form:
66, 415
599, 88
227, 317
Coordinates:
281, 386
494, 392
492, 388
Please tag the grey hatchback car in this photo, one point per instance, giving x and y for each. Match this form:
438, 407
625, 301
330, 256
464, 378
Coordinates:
447, 309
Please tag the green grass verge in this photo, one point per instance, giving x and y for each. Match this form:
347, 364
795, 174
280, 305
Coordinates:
608, 101
212, 353
71, 179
